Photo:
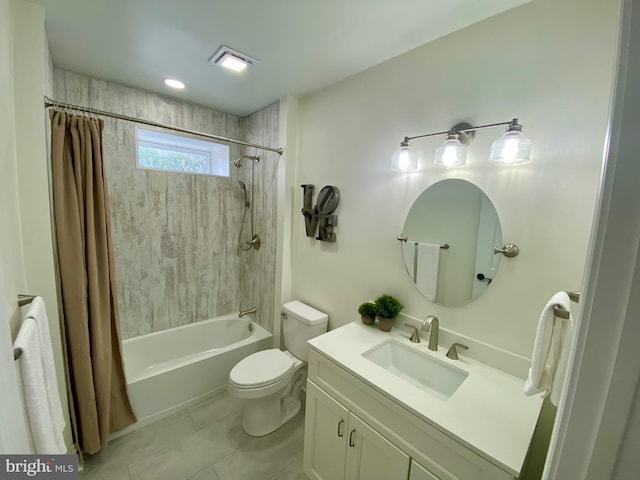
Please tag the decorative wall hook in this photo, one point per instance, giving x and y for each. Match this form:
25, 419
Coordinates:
321, 214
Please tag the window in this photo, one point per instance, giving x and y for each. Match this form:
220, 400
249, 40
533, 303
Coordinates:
179, 153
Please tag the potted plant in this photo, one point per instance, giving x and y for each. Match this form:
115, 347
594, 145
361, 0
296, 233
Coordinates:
387, 309
368, 312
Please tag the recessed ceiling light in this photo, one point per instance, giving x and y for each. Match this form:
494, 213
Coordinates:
232, 59
173, 83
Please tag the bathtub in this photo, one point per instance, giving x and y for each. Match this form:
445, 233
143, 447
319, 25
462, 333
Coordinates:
169, 370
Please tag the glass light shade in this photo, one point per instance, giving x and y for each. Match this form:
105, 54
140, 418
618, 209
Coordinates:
511, 148
451, 153
405, 159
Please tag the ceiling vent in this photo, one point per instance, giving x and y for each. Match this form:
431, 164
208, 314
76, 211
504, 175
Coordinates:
232, 59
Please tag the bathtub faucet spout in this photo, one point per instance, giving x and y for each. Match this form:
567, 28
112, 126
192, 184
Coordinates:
247, 312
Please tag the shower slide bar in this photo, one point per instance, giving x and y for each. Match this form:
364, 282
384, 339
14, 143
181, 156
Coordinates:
560, 312
22, 301
49, 103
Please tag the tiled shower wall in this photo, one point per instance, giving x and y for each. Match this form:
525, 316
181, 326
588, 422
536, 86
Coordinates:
258, 267
175, 235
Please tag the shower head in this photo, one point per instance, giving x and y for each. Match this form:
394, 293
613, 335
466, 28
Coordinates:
244, 190
238, 161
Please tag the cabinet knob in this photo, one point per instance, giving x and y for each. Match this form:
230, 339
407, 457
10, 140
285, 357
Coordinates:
340, 434
351, 444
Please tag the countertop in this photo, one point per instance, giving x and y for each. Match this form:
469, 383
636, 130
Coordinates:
488, 413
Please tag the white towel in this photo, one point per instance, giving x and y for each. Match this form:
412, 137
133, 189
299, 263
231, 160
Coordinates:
408, 253
45, 436
427, 269
551, 350
38, 312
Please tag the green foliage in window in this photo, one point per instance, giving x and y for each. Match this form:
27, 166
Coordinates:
149, 157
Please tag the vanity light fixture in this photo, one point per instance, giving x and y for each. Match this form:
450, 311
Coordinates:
512, 148
405, 159
232, 59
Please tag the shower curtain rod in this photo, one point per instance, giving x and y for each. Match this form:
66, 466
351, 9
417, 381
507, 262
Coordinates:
48, 103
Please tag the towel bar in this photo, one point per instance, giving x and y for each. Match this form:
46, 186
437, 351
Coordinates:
25, 299
22, 301
560, 312
403, 239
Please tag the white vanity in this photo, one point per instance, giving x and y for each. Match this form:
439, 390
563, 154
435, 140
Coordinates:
381, 407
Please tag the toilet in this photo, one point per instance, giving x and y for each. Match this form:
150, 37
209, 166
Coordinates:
269, 382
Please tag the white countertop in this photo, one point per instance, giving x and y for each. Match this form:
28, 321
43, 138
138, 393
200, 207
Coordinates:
488, 413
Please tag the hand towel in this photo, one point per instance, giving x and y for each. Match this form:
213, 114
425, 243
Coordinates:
565, 334
551, 350
409, 255
47, 439
427, 269
38, 312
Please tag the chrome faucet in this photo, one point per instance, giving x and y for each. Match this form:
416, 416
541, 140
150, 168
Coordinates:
247, 312
415, 336
432, 324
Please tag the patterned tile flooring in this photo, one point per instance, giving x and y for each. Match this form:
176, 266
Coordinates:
203, 442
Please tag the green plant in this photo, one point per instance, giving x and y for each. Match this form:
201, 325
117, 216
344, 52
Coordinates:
368, 309
388, 306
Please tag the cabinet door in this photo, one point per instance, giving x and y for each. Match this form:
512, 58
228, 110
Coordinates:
418, 472
325, 436
370, 456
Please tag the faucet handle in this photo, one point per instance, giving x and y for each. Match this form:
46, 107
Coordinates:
415, 336
453, 352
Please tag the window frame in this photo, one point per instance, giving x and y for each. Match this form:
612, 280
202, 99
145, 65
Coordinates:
180, 148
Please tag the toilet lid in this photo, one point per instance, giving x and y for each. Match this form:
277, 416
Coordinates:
261, 368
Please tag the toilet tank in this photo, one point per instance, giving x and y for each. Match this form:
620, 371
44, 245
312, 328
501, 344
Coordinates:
300, 323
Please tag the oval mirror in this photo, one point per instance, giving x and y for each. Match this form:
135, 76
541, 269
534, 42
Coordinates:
451, 230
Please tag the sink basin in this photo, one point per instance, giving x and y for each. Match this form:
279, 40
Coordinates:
420, 369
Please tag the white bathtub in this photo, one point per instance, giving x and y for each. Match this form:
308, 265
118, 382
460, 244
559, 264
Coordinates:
169, 370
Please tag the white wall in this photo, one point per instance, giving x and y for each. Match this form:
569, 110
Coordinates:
548, 63
26, 254
12, 276
598, 430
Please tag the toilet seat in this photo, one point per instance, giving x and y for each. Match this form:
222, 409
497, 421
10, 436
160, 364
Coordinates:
261, 369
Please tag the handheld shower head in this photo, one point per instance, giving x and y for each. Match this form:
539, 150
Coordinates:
244, 190
237, 162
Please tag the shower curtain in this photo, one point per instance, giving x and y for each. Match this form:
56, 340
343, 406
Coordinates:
88, 307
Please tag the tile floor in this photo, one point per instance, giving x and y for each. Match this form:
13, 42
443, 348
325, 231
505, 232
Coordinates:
203, 442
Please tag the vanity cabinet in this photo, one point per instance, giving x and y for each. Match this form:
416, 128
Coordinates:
339, 445
352, 431
418, 472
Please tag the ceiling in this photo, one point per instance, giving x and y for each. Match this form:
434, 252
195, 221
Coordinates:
302, 45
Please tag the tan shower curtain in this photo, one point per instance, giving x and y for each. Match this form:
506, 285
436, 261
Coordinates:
87, 280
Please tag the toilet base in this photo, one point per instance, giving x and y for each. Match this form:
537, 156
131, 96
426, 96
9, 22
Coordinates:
267, 415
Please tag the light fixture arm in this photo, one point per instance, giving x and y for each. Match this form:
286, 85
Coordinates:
513, 123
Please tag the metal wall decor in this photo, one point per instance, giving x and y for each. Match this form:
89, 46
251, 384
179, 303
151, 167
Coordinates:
320, 217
